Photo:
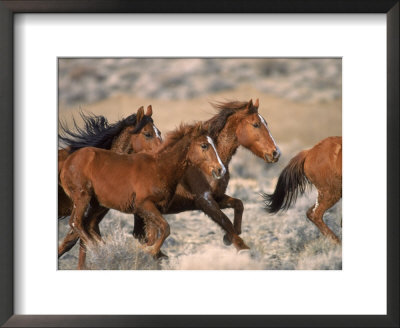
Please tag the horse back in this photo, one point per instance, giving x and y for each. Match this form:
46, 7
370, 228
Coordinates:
118, 179
323, 162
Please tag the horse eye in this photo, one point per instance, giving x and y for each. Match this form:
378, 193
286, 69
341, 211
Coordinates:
204, 146
256, 125
147, 135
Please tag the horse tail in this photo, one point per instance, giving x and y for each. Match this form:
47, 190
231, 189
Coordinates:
291, 182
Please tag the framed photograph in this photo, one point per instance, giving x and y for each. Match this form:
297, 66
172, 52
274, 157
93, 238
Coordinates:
112, 87
239, 181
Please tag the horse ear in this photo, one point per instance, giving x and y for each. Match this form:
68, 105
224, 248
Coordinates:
199, 130
140, 114
256, 104
149, 111
250, 104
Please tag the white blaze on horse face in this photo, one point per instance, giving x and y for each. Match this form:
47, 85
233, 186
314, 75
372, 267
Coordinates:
156, 132
211, 142
272, 138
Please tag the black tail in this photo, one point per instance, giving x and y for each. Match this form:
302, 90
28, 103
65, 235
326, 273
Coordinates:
292, 182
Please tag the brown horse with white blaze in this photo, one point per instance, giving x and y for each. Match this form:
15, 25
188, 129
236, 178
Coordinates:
236, 124
142, 183
320, 166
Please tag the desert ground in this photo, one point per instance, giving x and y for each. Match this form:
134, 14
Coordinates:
299, 98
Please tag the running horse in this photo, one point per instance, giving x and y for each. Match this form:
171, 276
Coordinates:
236, 124
142, 183
320, 166
135, 133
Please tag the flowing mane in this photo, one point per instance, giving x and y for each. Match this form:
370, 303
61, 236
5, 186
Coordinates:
184, 131
97, 132
224, 110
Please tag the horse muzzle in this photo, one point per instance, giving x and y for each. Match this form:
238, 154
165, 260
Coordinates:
217, 173
274, 157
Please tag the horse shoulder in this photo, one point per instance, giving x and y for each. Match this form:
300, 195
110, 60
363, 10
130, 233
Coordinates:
195, 182
92, 155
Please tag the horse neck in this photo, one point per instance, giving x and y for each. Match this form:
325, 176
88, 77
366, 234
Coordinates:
122, 143
172, 162
227, 143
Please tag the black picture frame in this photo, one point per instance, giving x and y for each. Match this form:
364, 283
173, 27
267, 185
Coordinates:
11, 7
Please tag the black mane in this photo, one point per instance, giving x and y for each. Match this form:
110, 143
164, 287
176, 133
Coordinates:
97, 132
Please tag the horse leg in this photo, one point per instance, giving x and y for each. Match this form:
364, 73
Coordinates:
64, 203
72, 236
149, 212
82, 256
151, 232
237, 205
94, 223
139, 231
325, 201
80, 223
145, 233
69, 241
94, 230
210, 207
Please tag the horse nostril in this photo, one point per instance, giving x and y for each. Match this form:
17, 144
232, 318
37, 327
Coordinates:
275, 154
219, 171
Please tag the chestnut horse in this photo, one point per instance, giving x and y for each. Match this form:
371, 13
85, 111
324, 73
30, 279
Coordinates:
236, 123
320, 166
142, 183
135, 133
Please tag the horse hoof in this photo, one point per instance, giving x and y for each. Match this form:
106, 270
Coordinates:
150, 243
140, 238
160, 256
227, 242
142, 241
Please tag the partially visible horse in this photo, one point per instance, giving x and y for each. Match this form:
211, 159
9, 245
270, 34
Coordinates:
142, 183
320, 166
133, 134
236, 124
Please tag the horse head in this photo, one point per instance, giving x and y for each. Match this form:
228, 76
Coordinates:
253, 133
203, 154
145, 135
